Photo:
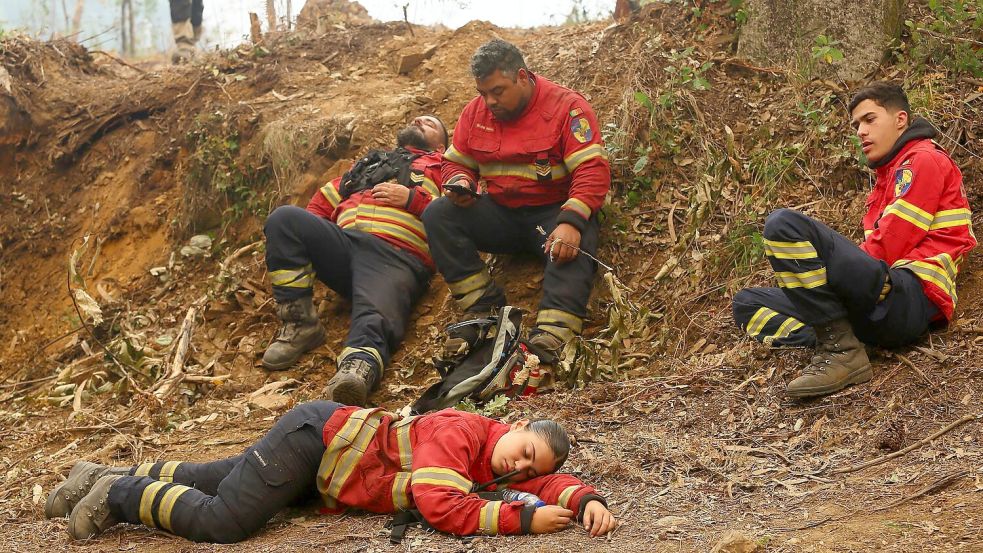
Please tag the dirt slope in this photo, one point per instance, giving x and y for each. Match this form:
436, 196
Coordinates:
140, 157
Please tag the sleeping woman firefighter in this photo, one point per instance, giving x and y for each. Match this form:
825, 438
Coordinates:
453, 471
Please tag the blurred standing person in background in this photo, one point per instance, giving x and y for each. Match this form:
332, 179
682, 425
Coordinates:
186, 26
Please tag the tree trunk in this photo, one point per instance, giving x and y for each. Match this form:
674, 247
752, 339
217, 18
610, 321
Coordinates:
810, 35
270, 16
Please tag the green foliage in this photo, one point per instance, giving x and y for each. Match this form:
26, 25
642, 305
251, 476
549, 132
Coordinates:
944, 37
740, 12
494, 408
215, 167
826, 49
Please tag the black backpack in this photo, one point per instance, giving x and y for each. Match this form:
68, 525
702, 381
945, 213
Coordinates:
494, 365
376, 167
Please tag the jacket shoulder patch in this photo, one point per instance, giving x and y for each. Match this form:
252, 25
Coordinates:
903, 178
581, 130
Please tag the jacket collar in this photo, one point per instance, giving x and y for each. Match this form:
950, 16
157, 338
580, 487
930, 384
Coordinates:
919, 129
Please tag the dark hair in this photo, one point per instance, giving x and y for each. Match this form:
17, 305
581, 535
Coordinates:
555, 436
886, 94
497, 54
447, 137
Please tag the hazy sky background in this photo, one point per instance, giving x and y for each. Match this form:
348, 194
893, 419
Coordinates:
227, 21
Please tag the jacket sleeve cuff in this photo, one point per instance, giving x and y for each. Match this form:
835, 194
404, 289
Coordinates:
587, 498
571, 218
525, 518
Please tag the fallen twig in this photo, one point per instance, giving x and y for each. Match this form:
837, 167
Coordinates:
912, 447
175, 373
913, 367
934, 486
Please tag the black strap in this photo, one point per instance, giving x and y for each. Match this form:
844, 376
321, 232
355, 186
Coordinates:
403, 520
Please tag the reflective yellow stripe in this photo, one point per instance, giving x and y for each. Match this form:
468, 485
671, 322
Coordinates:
453, 154
951, 218
302, 277
147, 501
167, 505
933, 273
430, 187
347, 352
143, 469
560, 318
391, 229
577, 158
521, 170
565, 495
579, 206
790, 250
790, 325
808, 279
488, 518
440, 476
909, 212
344, 452
331, 194
468, 291
401, 486
404, 444
167, 471
392, 214
867, 233
758, 321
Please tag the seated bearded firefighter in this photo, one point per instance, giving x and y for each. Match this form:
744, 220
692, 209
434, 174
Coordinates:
359, 458
899, 281
362, 236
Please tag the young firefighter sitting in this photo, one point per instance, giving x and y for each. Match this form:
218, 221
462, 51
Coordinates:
887, 291
358, 458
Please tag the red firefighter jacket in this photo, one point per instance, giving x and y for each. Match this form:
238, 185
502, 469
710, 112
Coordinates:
918, 218
376, 462
400, 227
552, 153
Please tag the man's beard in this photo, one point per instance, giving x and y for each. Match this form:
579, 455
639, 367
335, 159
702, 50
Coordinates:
413, 137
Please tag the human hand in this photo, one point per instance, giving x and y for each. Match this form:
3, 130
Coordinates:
550, 518
391, 194
562, 243
461, 194
598, 520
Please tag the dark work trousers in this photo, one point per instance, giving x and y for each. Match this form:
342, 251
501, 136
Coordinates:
183, 10
381, 280
226, 501
824, 276
456, 235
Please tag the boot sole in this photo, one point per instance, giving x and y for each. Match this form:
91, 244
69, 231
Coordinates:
858, 376
348, 392
284, 365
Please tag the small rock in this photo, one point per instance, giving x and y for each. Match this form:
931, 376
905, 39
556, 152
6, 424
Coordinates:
409, 62
668, 521
273, 402
736, 542
200, 244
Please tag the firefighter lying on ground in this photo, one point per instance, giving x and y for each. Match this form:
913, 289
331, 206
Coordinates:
367, 243
353, 458
890, 289
538, 148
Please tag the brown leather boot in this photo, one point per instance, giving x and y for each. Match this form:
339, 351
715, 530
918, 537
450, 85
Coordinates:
300, 333
840, 361
83, 475
353, 382
92, 516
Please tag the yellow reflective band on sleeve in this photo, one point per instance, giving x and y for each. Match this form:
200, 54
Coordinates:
565, 495
488, 518
578, 206
557, 317
302, 277
454, 155
790, 250
576, 159
167, 505
347, 352
808, 279
167, 471
759, 320
331, 194
868, 232
403, 443
951, 218
430, 187
344, 453
143, 469
401, 487
147, 502
440, 476
909, 212
522, 170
